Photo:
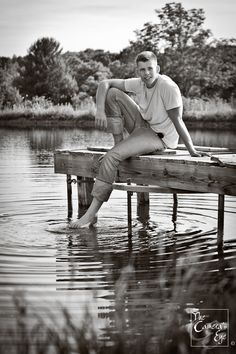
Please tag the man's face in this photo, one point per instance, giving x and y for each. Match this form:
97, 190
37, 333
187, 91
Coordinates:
148, 71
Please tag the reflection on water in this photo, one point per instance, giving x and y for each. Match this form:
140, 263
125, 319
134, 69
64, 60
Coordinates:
216, 137
80, 267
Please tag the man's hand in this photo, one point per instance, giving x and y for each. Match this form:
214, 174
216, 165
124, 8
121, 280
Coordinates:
100, 120
196, 153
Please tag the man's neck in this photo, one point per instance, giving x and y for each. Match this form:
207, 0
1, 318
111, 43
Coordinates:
153, 83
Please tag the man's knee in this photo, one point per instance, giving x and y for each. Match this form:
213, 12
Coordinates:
111, 94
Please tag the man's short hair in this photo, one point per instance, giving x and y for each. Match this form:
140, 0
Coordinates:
145, 56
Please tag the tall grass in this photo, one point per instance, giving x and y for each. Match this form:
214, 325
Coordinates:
213, 109
40, 110
162, 326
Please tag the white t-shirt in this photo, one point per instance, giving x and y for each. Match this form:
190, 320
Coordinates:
153, 105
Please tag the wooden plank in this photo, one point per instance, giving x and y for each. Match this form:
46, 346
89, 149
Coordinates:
162, 153
190, 176
225, 160
181, 147
99, 148
178, 172
105, 149
204, 148
147, 189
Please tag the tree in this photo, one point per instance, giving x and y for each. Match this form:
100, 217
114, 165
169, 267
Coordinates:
122, 71
4, 62
180, 28
218, 75
87, 73
178, 39
177, 28
98, 55
44, 72
9, 94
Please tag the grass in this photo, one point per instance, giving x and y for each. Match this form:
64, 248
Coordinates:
41, 112
208, 110
162, 327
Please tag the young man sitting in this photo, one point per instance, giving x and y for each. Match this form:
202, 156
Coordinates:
153, 119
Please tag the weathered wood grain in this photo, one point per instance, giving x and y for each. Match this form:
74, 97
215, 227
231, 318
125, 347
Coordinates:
146, 189
183, 172
204, 148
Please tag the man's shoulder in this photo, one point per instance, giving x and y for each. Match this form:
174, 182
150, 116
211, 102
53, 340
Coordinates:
165, 81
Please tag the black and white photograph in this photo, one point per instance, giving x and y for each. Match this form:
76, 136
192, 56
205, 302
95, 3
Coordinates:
117, 177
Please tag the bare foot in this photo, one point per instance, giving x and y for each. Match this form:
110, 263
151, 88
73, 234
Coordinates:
84, 222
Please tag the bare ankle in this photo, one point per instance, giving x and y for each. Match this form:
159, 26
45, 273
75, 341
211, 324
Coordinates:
89, 215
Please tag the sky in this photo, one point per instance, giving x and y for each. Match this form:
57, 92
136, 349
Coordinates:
97, 24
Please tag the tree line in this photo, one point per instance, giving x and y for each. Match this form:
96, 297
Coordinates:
201, 65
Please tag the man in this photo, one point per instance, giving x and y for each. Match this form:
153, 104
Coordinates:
153, 119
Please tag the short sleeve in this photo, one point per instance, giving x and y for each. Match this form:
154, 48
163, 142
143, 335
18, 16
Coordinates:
132, 85
171, 96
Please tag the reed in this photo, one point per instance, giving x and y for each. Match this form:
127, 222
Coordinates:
161, 326
41, 111
213, 109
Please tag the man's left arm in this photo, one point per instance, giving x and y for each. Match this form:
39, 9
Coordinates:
176, 116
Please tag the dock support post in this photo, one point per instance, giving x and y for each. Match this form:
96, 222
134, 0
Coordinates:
142, 198
69, 196
129, 209
220, 226
143, 206
175, 207
84, 186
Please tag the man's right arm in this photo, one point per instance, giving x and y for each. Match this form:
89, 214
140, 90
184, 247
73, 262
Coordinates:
103, 87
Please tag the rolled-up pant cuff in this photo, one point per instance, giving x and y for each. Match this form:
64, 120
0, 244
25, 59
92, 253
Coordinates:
115, 125
101, 190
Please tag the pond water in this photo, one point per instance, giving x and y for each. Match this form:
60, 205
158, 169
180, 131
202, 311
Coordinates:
80, 269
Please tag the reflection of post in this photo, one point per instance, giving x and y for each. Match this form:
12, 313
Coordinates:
69, 196
222, 263
85, 186
220, 231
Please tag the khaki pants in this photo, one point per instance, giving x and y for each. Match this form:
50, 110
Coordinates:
122, 112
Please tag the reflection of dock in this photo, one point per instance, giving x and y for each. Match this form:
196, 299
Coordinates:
175, 171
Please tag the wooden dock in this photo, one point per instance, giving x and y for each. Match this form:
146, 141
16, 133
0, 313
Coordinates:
175, 170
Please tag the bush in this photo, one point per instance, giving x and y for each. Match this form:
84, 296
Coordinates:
9, 96
83, 101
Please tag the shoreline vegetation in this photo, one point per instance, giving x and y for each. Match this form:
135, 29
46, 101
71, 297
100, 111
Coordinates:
51, 88
198, 113
166, 324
